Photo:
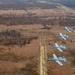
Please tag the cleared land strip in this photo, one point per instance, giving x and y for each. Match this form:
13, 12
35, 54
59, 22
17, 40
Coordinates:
43, 57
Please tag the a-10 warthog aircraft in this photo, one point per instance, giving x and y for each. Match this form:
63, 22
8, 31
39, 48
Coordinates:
59, 47
68, 29
63, 36
57, 59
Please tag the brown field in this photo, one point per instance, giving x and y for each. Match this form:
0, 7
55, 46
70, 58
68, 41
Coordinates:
38, 12
23, 60
19, 55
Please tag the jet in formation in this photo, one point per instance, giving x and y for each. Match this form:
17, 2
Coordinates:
59, 47
63, 36
68, 29
57, 59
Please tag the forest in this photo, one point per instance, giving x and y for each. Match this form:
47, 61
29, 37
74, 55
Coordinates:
33, 19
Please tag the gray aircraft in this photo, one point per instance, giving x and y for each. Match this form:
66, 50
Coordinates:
58, 59
63, 36
68, 29
59, 47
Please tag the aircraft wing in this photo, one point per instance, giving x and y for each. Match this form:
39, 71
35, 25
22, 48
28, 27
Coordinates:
56, 45
63, 37
68, 30
60, 49
55, 57
66, 36
58, 62
61, 46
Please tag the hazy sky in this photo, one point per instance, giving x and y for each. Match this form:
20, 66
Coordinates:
70, 3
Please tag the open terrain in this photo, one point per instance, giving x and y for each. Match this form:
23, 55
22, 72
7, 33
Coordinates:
23, 58
20, 30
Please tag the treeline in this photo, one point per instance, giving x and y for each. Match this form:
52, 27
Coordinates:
19, 20
12, 37
32, 19
67, 21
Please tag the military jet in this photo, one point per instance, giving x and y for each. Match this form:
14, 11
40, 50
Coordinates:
58, 59
59, 47
63, 36
68, 29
